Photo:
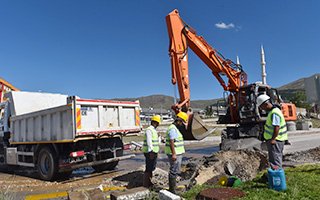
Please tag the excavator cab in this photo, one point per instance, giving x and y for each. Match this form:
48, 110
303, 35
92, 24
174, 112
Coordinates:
248, 111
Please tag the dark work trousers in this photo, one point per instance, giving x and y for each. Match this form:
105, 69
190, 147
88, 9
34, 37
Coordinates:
151, 164
275, 153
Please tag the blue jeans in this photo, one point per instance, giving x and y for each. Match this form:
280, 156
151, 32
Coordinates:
175, 166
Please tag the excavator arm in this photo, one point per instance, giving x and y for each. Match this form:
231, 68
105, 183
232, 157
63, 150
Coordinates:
182, 37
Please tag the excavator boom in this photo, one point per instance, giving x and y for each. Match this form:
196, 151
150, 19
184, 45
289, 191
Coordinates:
181, 38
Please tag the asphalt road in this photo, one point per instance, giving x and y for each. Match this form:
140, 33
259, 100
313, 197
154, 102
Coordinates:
301, 142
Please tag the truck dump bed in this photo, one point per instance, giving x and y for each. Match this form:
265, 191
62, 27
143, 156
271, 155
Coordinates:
58, 118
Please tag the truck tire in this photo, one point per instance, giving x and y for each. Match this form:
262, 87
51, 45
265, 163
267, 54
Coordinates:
47, 164
114, 142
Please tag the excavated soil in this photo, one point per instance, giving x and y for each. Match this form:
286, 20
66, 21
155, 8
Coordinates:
308, 156
244, 164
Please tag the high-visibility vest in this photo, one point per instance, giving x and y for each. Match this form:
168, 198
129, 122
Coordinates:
155, 141
178, 142
269, 128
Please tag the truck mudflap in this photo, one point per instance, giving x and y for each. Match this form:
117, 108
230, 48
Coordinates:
70, 167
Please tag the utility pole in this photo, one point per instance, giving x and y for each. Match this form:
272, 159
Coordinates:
238, 61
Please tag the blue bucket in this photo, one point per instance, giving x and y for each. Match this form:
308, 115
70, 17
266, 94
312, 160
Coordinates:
277, 179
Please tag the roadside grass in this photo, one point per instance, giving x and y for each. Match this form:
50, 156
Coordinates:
315, 123
303, 182
4, 196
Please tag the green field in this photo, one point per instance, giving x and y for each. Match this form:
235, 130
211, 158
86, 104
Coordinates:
303, 182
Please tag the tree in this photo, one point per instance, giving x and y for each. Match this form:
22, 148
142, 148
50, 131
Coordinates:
299, 98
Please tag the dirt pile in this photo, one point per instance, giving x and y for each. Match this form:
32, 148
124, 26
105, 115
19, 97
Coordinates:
308, 156
244, 164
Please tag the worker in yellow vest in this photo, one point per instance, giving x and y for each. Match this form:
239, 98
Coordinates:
175, 148
150, 149
275, 131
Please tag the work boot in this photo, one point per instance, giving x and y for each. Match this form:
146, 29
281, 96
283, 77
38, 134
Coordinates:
147, 179
172, 185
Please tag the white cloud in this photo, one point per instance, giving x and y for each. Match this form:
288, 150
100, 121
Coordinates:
223, 25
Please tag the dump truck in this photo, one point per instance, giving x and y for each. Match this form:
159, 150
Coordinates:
55, 133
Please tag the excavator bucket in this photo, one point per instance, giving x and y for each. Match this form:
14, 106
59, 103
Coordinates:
196, 128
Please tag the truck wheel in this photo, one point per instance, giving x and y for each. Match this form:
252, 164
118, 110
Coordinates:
47, 165
115, 142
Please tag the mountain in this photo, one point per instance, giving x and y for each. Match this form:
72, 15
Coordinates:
165, 102
309, 85
295, 85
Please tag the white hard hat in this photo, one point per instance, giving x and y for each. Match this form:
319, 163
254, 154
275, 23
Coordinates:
262, 99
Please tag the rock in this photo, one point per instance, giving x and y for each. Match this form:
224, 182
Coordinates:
135, 193
166, 195
229, 168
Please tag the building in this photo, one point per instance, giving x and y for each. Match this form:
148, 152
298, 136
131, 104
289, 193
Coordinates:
312, 87
147, 113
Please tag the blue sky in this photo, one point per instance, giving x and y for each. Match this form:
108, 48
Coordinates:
113, 49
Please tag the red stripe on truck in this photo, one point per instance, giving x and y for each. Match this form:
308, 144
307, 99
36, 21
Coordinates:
108, 101
109, 131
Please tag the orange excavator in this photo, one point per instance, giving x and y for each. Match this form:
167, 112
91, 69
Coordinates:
245, 120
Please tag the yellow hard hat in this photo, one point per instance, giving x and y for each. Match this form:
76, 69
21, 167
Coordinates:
183, 116
156, 118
